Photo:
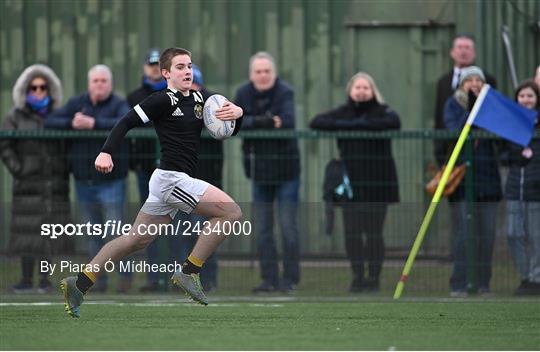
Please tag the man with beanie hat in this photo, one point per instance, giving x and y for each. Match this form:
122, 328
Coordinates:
143, 151
463, 54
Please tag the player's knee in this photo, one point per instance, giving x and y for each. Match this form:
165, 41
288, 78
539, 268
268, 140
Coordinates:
235, 213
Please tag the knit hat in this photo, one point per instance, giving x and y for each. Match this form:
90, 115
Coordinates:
470, 71
197, 75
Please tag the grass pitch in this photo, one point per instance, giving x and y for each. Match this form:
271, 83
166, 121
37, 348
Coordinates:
167, 322
321, 316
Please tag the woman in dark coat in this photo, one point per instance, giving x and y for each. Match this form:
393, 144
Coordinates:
40, 174
522, 195
372, 171
486, 193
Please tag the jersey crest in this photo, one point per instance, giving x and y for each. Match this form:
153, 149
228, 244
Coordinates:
198, 110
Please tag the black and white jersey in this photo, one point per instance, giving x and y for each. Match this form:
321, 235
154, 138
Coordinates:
178, 123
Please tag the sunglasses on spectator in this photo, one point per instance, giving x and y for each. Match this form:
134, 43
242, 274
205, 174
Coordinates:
42, 87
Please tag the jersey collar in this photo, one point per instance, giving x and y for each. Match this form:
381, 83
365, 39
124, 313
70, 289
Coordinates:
175, 91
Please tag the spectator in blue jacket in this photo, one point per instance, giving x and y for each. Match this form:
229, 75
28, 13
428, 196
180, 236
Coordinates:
522, 195
486, 191
100, 196
274, 167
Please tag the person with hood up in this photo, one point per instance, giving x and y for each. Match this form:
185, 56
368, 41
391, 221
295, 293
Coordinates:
40, 175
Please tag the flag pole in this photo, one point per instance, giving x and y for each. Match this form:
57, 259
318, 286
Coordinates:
438, 193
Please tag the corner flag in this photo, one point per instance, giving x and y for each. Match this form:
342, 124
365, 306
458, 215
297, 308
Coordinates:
505, 118
495, 113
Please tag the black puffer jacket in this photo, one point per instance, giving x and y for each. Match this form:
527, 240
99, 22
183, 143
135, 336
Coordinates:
524, 177
40, 172
369, 162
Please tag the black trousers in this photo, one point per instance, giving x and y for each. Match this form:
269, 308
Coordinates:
365, 220
27, 267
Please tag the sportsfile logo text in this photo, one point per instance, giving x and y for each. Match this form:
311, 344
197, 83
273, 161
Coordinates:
117, 228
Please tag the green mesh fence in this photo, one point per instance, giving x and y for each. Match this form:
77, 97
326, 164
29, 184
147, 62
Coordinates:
324, 267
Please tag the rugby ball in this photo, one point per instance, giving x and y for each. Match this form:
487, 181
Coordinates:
217, 128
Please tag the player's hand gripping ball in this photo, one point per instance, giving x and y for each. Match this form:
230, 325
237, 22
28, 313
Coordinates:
217, 128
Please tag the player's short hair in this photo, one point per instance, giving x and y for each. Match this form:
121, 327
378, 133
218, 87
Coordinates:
165, 60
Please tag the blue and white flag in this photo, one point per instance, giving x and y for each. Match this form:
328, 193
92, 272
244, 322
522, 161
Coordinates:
504, 117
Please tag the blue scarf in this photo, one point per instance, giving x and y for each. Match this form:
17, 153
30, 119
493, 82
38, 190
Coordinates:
41, 106
155, 86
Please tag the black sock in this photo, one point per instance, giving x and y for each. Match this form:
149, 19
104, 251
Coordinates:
83, 283
189, 268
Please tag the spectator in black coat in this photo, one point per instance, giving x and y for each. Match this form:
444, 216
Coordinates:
523, 200
372, 172
100, 196
463, 54
274, 167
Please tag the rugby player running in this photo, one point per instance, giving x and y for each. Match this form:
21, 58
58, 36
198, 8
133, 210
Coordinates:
176, 114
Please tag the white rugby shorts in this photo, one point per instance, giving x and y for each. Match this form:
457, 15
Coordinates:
170, 191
